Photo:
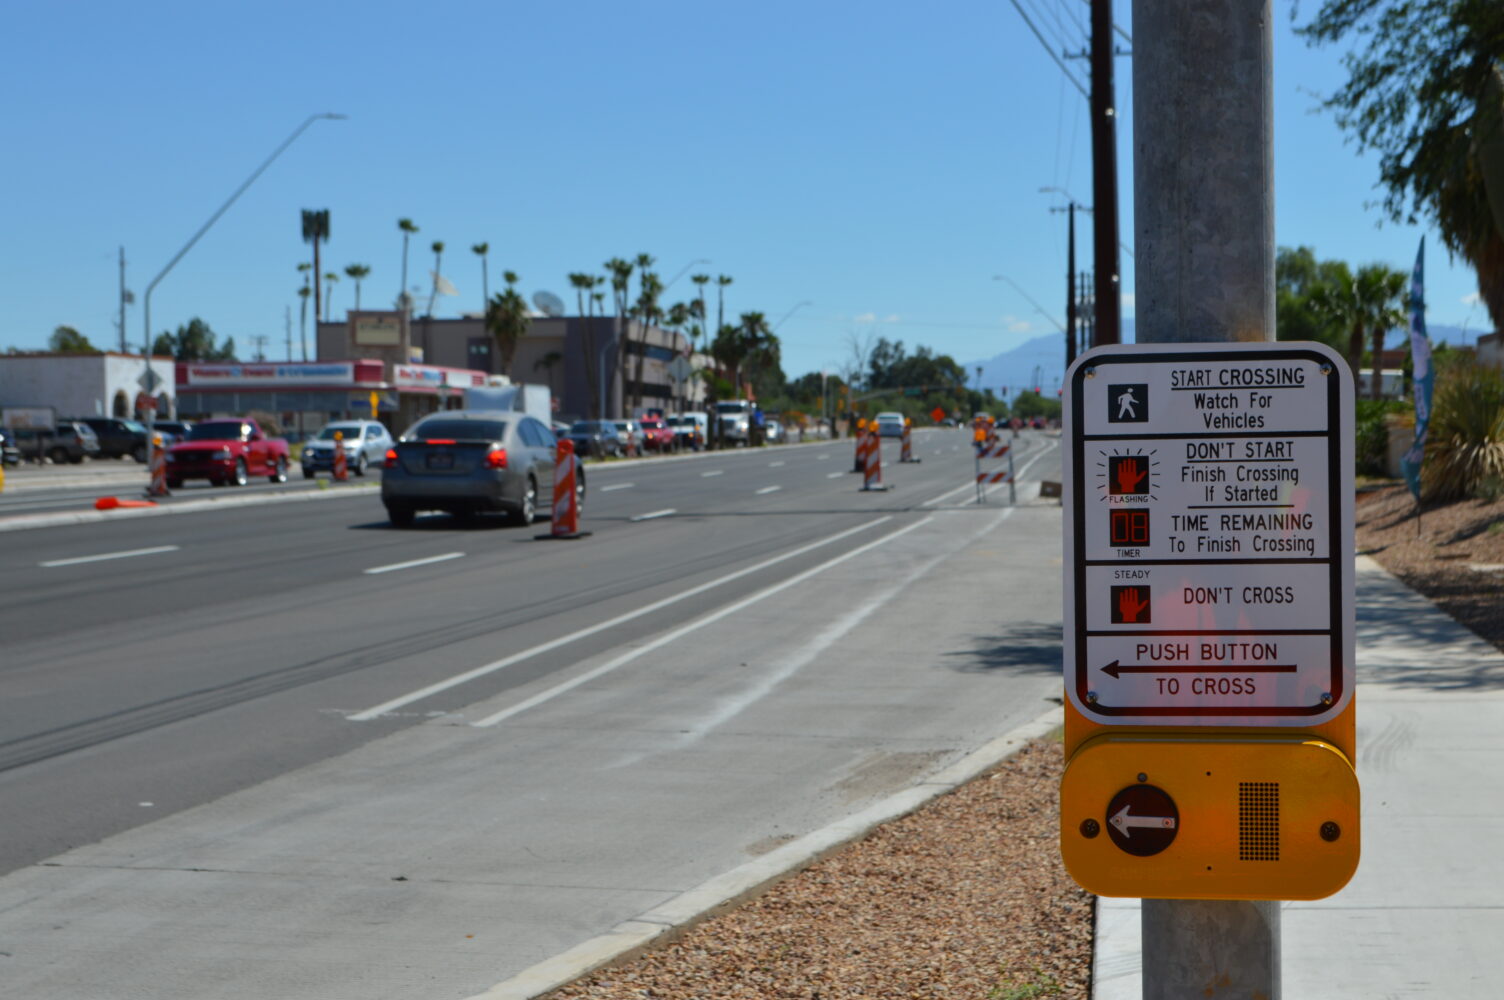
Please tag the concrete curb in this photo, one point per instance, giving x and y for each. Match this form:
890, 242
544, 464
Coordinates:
667, 920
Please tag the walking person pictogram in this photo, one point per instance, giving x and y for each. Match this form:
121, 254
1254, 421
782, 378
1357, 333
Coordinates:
1128, 403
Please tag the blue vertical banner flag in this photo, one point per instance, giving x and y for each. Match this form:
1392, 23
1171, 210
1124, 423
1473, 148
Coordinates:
1425, 373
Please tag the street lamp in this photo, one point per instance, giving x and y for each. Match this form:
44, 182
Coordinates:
683, 271
797, 307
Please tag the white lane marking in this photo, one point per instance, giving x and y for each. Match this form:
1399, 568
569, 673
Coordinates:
1017, 475
834, 475
730, 708
713, 472
108, 555
774, 465
414, 562
682, 631
617, 486
769, 489
657, 513
656, 606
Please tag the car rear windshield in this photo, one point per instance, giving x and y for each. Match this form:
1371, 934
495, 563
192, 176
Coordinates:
585, 427
731, 407
348, 430
457, 430
216, 430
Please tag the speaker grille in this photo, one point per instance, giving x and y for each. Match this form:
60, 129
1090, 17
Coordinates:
1258, 821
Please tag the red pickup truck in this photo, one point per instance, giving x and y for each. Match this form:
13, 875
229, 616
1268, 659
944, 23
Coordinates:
226, 451
657, 435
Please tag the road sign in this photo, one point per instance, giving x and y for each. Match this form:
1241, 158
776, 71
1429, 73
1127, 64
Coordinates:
1209, 622
1208, 507
937, 414
149, 380
145, 401
680, 369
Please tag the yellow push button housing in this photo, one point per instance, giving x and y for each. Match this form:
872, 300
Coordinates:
1167, 817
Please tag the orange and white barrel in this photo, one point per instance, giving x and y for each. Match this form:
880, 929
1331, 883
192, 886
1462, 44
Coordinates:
341, 466
907, 453
566, 508
872, 473
158, 487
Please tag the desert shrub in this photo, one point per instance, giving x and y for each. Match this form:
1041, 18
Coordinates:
1372, 430
1465, 449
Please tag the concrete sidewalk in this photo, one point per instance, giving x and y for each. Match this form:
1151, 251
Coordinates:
1424, 916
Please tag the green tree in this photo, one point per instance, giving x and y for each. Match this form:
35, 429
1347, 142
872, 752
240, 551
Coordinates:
438, 259
194, 341
507, 320
404, 301
1381, 294
357, 273
1299, 279
330, 278
1422, 92
67, 340
647, 314
305, 269
620, 274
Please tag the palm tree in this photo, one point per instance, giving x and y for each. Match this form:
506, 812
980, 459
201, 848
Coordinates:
303, 293
648, 313
316, 231
620, 272
329, 280
407, 227
1336, 301
507, 319
1380, 293
583, 284
480, 250
438, 257
720, 311
357, 274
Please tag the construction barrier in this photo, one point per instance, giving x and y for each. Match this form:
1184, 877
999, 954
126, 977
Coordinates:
341, 466
986, 477
158, 487
860, 462
114, 503
906, 456
566, 507
872, 472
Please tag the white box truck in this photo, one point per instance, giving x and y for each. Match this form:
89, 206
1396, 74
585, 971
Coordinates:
534, 400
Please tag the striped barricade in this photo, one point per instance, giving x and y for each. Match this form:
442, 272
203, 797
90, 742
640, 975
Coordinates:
906, 457
872, 472
158, 487
565, 513
995, 452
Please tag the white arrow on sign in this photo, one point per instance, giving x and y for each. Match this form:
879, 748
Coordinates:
1125, 822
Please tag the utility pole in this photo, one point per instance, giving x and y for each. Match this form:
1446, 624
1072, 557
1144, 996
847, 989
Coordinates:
287, 324
1070, 284
1104, 160
1204, 242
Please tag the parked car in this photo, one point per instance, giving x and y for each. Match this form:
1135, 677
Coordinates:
595, 438
657, 435
365, 443
227, 451
690, 429
117, 436
172, 431
629, 434
471, 461
10, 452
890, 424
561, 429
69, 441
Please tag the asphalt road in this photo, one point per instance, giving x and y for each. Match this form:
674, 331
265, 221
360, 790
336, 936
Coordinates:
301, 704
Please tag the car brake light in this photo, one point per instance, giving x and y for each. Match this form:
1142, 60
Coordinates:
391, 458
439, 441
496, 458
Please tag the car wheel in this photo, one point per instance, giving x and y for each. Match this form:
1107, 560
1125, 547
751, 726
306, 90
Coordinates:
308, 473
529, 509
139, 454
400, 515
240, 478
216, 481
58, 456
174, 484
360, 464
279, 471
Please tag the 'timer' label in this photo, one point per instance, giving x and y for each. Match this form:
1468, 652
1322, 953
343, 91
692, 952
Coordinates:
1208, 504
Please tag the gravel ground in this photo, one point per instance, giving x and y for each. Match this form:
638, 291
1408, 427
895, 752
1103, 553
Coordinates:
1453, 554
965, 898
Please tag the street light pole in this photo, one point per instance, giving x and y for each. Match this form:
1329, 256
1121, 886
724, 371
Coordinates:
796, 308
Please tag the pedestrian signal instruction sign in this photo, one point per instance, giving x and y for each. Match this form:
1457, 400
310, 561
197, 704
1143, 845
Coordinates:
1208, 505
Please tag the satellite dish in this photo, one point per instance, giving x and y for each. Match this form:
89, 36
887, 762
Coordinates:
548, 304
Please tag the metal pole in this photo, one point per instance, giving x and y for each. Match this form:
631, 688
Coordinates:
122, 300
1104, 159
146, 299
1204, 220
1070, 289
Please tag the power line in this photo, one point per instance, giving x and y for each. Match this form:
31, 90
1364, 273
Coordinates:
1049, 51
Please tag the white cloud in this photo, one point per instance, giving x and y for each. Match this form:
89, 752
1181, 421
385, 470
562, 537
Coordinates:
1014, 324
1472, 300
866, 318
891, 318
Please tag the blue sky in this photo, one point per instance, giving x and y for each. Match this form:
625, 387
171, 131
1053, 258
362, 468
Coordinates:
880, 161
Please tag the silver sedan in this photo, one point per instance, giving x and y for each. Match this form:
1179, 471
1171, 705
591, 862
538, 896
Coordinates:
471, 461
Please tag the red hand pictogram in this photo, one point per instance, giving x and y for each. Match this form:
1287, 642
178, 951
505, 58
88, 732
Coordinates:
1129, 475
1129, 604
